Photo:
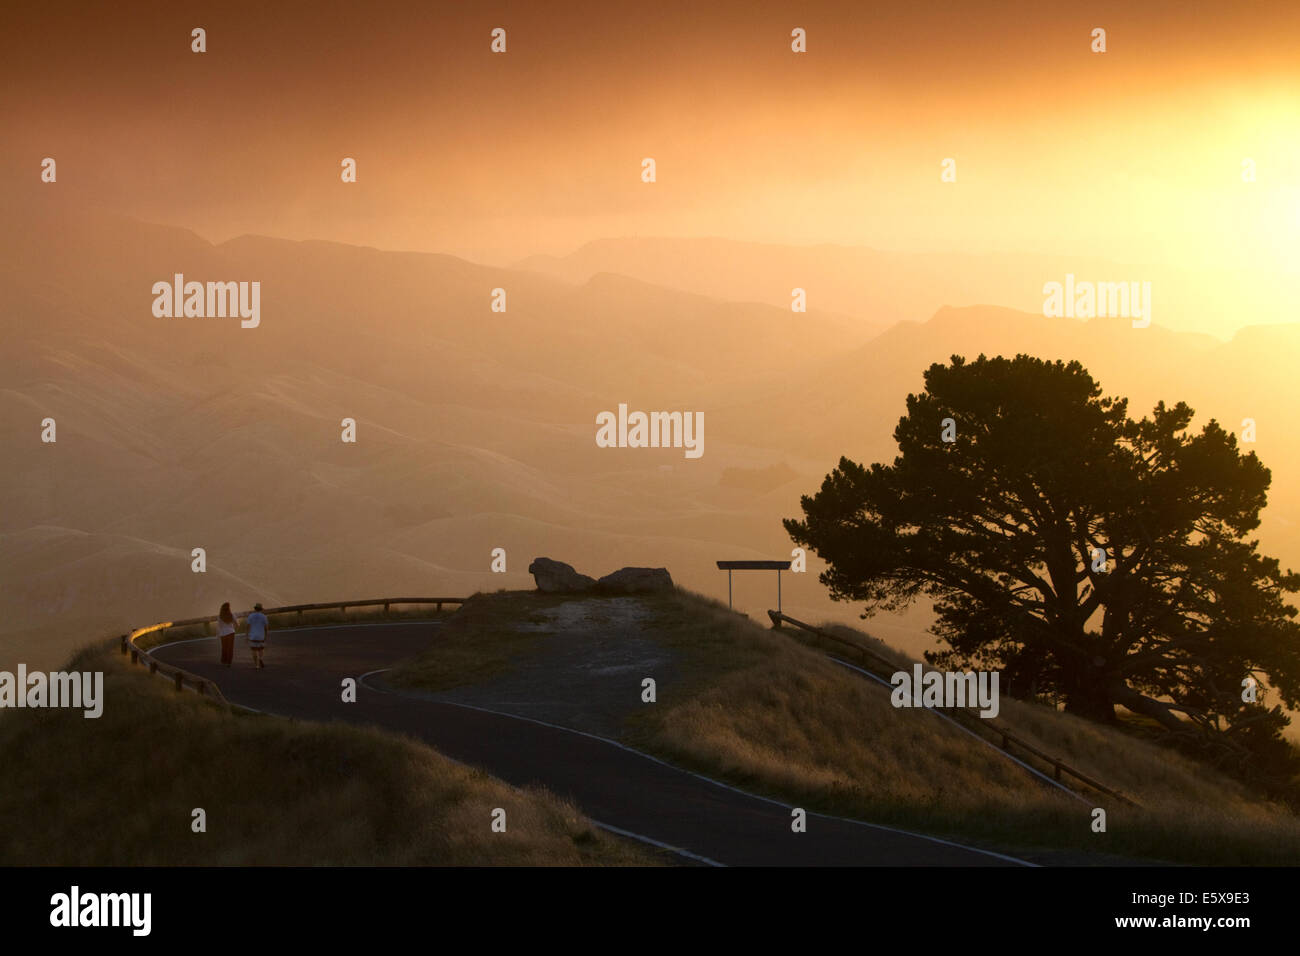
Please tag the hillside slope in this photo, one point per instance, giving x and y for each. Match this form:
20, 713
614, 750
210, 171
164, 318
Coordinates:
120, 790
760, 710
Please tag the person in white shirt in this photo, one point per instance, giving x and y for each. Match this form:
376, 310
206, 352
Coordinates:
226, 631
258, 625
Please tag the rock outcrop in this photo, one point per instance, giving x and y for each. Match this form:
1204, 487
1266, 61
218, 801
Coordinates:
636, 581
556, 577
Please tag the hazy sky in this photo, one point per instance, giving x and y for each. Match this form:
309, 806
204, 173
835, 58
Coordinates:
1134, 154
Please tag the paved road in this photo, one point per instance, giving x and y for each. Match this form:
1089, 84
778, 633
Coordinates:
613, 786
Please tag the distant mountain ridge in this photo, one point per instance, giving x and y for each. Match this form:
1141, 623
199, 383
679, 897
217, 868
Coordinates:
475, 428
886, 287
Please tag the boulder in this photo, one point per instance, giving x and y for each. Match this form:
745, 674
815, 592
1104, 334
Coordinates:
556, 577
636, 581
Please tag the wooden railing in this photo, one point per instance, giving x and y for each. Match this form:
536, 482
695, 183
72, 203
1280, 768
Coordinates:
202, 685
984, 725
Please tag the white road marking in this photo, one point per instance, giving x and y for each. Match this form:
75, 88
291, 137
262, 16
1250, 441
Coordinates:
615, 743
700, 776
663, 846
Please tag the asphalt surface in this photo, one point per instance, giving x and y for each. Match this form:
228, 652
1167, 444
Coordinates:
614, 786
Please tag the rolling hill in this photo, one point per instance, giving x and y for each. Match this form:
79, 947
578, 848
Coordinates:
475, 429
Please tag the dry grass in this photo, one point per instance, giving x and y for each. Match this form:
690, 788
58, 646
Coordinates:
478, 644
1129, 763
769, 712
119, 790
763, 711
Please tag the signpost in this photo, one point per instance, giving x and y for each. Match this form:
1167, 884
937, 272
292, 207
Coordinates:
777, 566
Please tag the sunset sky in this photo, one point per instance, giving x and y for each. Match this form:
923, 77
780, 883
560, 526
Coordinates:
1135, 154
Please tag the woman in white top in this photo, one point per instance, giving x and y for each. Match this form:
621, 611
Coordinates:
226, 631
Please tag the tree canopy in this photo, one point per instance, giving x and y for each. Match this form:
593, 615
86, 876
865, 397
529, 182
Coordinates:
1081, 552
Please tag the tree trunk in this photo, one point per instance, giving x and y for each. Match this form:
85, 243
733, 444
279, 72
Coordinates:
1095, 706
1089, 693
1160, 711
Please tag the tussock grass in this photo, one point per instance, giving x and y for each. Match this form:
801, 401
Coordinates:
492, 633
764, 711
769, 711
120, 790
1125, 761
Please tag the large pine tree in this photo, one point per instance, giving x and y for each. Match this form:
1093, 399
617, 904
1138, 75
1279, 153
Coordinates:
1079, 551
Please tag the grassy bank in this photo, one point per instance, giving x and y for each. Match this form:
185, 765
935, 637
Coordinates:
120, 790
763, 711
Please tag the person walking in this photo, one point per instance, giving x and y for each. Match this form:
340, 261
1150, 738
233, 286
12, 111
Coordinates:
226, 632
258, 625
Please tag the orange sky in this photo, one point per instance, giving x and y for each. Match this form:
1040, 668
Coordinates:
1133, 154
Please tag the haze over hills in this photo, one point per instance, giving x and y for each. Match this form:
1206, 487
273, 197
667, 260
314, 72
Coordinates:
884, 287
850, 404
475, 429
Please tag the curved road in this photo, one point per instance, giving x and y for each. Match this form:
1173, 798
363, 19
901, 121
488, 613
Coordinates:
620, 789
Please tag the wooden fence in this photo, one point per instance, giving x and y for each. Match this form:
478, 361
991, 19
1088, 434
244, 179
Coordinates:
986, 727
183, 678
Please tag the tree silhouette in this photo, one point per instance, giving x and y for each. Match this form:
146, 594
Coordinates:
1071, 547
